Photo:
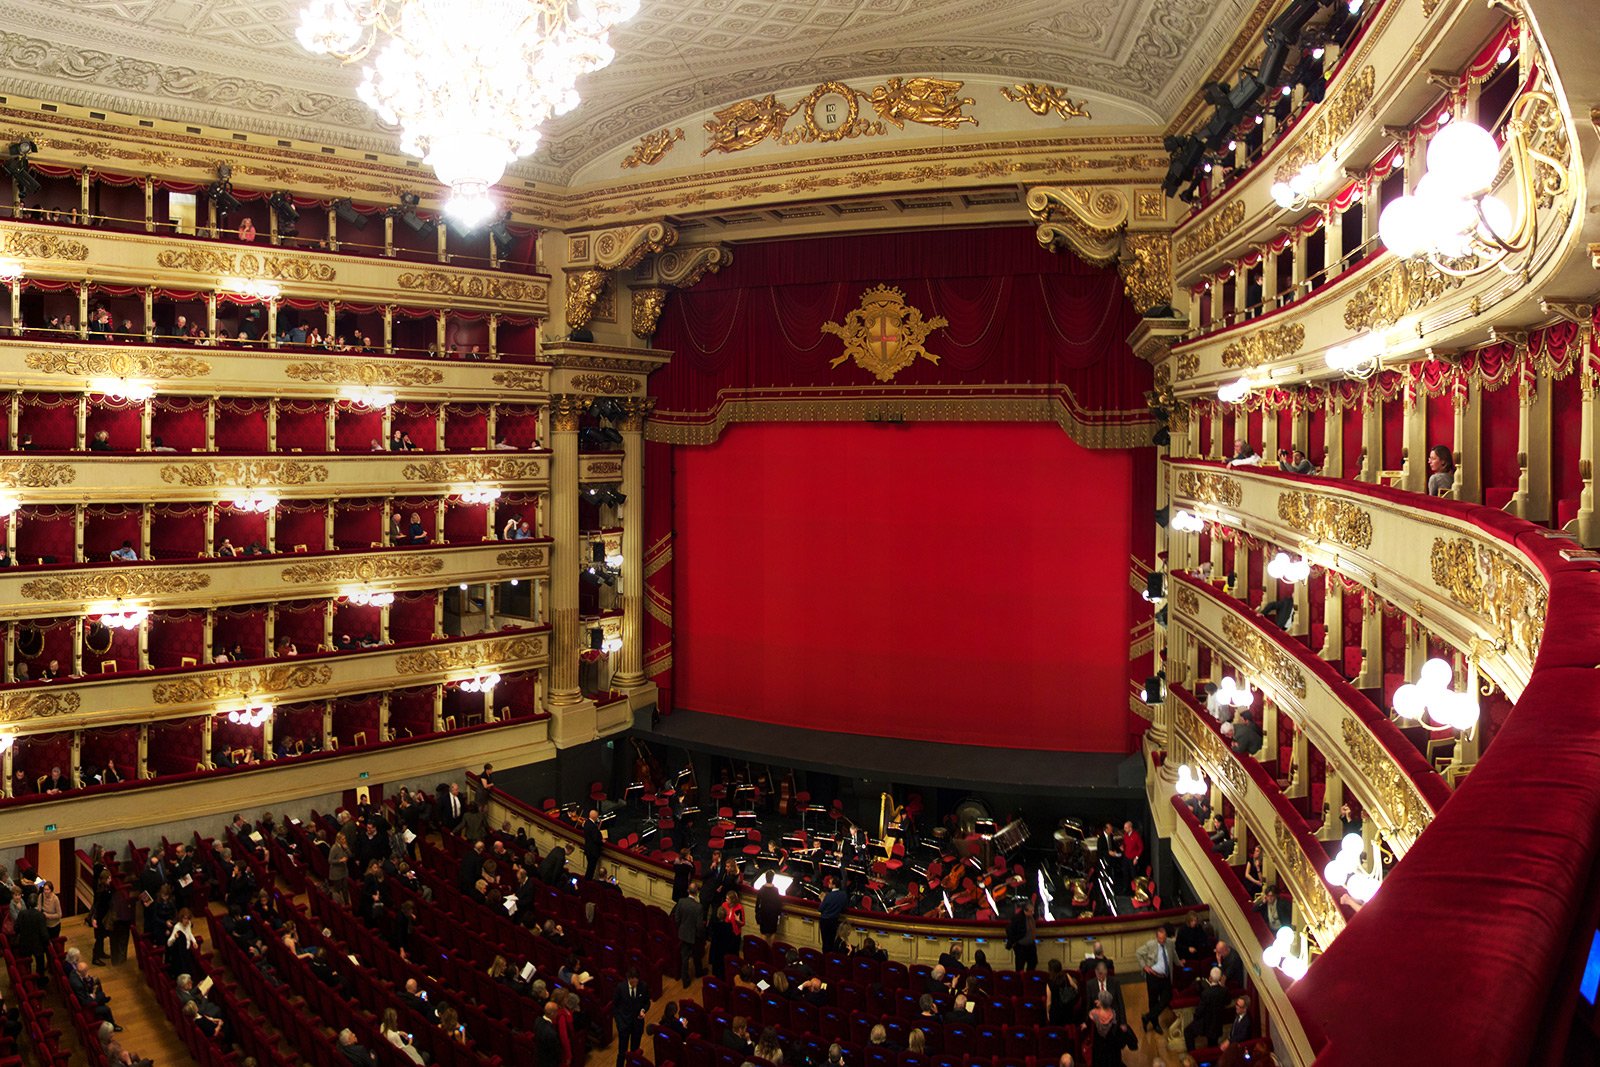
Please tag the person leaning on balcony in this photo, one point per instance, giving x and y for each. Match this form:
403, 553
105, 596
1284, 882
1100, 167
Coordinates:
1245, 456
101, 442
1441, 471
1246, 734
1273, 909
125, 554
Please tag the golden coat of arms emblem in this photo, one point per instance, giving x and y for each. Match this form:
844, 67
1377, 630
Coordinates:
884, 335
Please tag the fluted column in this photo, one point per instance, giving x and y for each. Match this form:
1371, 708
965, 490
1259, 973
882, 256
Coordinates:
566, 701
630, 663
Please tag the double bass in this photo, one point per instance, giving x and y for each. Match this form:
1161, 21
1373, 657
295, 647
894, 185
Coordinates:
646, 768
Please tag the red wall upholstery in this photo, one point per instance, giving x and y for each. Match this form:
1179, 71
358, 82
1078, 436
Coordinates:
298, 526
937, 581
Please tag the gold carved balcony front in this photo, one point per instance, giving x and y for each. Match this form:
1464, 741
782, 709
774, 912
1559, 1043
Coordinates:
1340, 722
73, 253
140, 477
32, 594
153, 696
1474, 590
189, 370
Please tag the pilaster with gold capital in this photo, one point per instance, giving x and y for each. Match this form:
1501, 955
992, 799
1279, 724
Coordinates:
572, 716
630, 675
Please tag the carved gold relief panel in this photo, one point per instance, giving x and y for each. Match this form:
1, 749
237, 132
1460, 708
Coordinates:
1326, 518
1264, 655
1264, 346
1210, 232
1208, 487
1496, 586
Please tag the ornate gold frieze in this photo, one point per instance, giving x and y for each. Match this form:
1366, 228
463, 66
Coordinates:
115, 585
246, 264
1089, 221
472, 470
606, 384
1208, 487
22, 705
1310, 892
32, 474
369, 569
927, 101
600, 468
1186, 600
244, 472
520, 379
622, 249
1264, 654
1149, 204
218, 685
1326, 518
566, 411
1188, 366
1397, 802
529, 556
1210, 232
885, 335
1264, 345
1043, 99
468, 656
1495, 585
1405, 287
1330, 122
648, 303
364, 372
1146, 269
444, 283
116, 363
31, 244
583, 293
1213, 756
652, 147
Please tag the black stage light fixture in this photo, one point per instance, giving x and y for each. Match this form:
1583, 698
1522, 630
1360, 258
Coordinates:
596, 638
607, 408
1161, 516
221, 194
1155, 585
501, 232
615, 497
16, 166
590, 575
1161, 616
408, 215
598, 555
1161, 438
283, 206
345, 211
1155, 689
583, 334
589, 438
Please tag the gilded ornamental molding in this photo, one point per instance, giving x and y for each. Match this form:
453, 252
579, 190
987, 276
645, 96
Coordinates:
645, 312
470, 656
1044, 99
1331, 121
566, 411
1264, 655
623, 248
1209, 233
218, 685
41, 244
369, 569
1493, 584
472, 286
1146, 269
683, 266
1208, 487
1213, 755
110, 362
22, 705
1089, 221
364, 372
1398, 803
1326, 518
607, 384
1265, 345
636, 411
1405, 287
115, 585
652, 147
267, 265
33, 474
1310, 892
473, 470
244, 472
530, 556
534, 380
1186, 600
583, 295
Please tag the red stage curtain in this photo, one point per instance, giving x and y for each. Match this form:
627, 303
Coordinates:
914, 571
411, 617
242, 426
298, 526
465, 523
246, 627
176, 636
357, 524
466, 426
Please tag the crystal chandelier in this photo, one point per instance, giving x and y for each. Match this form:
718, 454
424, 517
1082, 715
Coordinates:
469, 82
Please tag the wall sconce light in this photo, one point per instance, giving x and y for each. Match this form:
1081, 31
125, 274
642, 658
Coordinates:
1430, 697
1187, 522
122, 389
367, 397
1190, 782
1286, 569
254, 501
1288, 954
365, 597
253, 714
481, 683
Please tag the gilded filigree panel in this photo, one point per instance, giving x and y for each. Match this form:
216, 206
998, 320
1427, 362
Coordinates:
116, 363
1396, 802
368, 569
1209, 232
217, 685
1264, 346
1496, 586
1264, 655
1326, 518
1208, 487
116, 585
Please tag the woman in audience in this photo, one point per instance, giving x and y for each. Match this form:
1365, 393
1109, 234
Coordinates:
1060, 994
390, 1029
878, 1037
917, 1043
50, 905
339, 868
727, 931
1441, 471
208, 1026
1107, 1036
498, 971
767, 1046
566, 1022
181, 944
1255, 873
450, 1023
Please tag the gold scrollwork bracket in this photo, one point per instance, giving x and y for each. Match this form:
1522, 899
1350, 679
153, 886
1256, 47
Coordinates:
1088, 221
583, 295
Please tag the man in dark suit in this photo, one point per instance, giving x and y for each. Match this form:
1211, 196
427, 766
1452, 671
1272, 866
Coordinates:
356, 1054
1100, 983
30, 934
1231, 965
450, 809
690, 923
769, 906
1273, 909
594, 843
1209, 1015
548, 1051
553, 871
471, 867
417, 1000
1240, 1029
628, 1009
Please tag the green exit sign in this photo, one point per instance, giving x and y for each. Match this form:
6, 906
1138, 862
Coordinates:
49, 827
363, 776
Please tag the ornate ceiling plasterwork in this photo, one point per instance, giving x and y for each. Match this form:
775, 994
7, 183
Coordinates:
235, 64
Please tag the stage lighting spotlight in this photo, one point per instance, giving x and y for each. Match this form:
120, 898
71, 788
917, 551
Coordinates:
346, 212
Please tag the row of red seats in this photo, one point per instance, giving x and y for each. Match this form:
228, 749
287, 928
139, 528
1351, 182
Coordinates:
28, 994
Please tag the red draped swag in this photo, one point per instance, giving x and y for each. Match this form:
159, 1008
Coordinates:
1031, 337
